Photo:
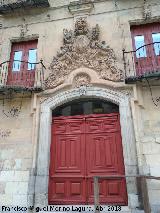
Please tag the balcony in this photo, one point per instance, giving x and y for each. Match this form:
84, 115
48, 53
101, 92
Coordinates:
143, 63
14, 78
11, 6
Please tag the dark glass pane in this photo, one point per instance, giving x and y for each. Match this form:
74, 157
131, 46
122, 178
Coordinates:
66, 111
139, 42
110, 108
85, 107
97, 107
17, 61
32, 58
77, 109
156, 38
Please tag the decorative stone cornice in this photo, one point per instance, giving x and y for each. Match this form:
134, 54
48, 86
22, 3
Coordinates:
80, 7
82, 48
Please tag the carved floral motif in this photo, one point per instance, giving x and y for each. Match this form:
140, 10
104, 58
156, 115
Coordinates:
82, 48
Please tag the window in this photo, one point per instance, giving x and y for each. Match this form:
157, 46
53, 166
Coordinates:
149, 35
32, 59
24, 56
141, 49
146, 46
85, 107
156, 38
17, 61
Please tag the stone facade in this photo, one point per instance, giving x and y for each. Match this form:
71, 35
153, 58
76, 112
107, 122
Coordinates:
81, 44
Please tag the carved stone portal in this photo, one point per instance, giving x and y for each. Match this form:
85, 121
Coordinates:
82, 48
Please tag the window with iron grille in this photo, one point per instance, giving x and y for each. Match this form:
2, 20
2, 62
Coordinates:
22, 66
146, 44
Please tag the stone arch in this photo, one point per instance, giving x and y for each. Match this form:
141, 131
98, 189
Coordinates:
128, 139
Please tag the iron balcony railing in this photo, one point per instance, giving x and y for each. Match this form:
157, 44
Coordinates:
22, 74
8, 6
142, 188
142, 62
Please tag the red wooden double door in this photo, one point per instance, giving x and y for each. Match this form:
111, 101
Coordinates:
83, 147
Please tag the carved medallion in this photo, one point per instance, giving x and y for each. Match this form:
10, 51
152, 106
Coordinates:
81, 43
82, 48
82, 79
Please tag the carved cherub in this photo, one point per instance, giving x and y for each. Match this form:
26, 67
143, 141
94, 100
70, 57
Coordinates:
81, 27
67, 36
95, 32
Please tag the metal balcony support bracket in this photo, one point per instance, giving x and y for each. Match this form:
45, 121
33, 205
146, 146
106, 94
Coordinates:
124, 61
96, 194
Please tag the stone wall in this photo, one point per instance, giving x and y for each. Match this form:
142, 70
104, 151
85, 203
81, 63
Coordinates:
19, 136
16, 150
150, 141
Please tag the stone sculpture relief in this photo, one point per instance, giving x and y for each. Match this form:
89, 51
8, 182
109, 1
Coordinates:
23, 30
82, 48
146, 10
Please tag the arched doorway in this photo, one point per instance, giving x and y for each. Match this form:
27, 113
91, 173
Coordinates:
86, 142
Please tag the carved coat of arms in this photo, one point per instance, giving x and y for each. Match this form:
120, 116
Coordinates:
82, 48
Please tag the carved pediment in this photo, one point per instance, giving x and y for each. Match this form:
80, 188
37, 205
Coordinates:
82, 48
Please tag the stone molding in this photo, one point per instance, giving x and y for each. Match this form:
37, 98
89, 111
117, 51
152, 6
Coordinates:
80, 7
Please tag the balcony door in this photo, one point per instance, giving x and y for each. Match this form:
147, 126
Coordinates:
22, 65
146, 43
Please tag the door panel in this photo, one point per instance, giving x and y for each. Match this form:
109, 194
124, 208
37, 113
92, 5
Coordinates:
65, 190
102, 124
103, 156
83, 147
67, 168
66, 159
112, 191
